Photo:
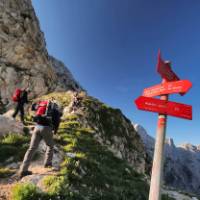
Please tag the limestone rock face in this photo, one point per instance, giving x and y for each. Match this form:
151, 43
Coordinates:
147, 140
24, 60
178, 195
65, 76
182, 168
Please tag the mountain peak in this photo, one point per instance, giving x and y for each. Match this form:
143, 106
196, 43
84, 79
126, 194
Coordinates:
170, 142
189, 147
181, 162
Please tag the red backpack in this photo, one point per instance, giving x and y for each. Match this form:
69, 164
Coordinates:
17, 94
42, 108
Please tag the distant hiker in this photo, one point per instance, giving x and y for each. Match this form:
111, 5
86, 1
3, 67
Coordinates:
1, 106
20, 97
47, 119
75, 102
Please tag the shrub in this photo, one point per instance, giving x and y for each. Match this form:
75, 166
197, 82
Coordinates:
5, 172
55, 185
13, 145
25, 191
14, 139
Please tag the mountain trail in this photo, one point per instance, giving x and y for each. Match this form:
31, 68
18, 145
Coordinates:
6, 184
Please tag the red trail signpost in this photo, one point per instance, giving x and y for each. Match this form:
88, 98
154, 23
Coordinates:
164, 107
170, 84
168, 88
164, 69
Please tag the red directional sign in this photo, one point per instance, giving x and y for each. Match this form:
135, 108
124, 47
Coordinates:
164, 107
168, 88
165, 70
170, 84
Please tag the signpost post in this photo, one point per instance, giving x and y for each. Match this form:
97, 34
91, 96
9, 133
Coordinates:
158, 159
170, 84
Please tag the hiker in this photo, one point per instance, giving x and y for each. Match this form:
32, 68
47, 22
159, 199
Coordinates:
76, 102
1, 105
21, 98
56, 115
46, 119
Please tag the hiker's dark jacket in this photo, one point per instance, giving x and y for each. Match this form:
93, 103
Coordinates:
24, 97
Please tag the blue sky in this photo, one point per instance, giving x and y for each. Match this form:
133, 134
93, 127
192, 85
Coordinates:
111, 48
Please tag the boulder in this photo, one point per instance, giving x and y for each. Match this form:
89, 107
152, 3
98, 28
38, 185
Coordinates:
9, 125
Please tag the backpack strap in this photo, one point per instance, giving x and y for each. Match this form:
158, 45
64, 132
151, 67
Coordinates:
47, 108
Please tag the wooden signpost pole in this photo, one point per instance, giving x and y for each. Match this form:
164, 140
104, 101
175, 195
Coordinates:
158, 160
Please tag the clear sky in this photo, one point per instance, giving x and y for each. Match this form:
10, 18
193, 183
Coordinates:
111, 48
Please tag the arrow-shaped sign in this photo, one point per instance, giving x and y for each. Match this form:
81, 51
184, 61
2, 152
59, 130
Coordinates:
164, 107
165, 70
168, 88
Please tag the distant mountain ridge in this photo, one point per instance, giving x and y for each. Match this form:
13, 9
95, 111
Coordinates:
182, 162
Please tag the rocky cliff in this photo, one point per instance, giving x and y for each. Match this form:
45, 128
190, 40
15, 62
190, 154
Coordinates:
98, 153
181, 169
24, 59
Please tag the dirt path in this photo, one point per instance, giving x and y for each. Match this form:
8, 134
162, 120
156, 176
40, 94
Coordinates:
6, 184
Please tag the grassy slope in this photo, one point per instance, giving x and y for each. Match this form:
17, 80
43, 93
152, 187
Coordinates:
12, 148
90, 170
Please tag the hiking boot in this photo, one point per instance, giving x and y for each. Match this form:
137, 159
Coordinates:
48, 166
25, 173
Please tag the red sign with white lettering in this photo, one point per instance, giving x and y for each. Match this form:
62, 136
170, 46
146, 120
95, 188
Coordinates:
168, 88
164, 107
170, 84
165, 70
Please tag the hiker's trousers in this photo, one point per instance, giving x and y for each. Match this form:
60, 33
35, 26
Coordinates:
40, 132
19, 108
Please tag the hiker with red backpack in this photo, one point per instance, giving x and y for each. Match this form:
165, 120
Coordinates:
47, 118
20, 97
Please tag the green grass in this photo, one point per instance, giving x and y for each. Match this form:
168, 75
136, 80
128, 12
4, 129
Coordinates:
13, 145
14, 139
94, 172
25, 191
111, 122
90, 171
55, 185
5, 172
